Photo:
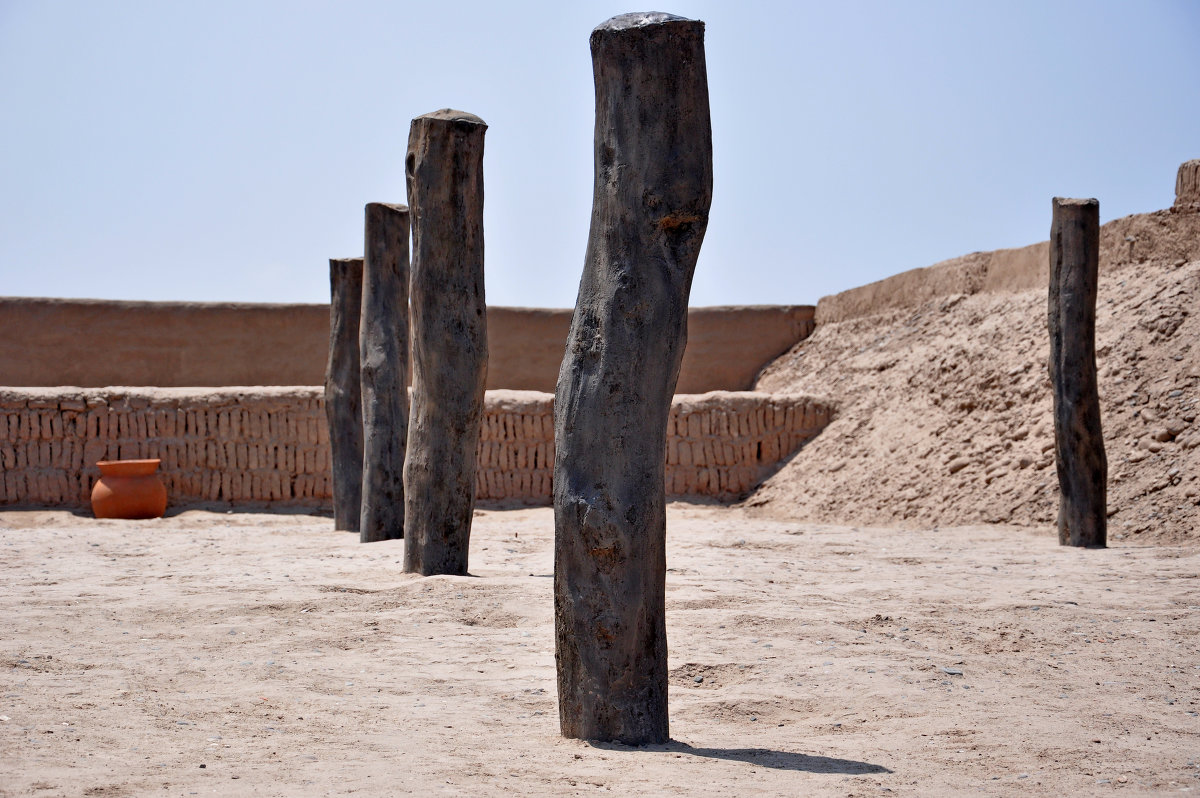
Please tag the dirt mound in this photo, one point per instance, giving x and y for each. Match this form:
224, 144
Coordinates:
943, 408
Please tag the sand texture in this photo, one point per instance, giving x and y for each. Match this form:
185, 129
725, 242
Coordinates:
255, 654
942, 410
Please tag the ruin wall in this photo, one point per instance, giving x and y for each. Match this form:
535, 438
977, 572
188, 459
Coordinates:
269, 447
1171, 235
95, 343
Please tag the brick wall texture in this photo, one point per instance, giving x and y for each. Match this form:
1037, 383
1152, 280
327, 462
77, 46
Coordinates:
270, 446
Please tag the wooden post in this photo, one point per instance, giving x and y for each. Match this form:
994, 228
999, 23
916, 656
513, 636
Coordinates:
383, 344
343, 393
1078, 440
650, 202
444, 170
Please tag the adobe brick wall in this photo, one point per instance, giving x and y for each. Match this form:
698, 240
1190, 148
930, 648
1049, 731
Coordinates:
96, 343
269, 446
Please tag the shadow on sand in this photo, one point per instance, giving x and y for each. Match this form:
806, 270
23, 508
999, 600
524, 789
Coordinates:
763, 757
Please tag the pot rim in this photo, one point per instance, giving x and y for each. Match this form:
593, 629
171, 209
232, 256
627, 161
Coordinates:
128, 468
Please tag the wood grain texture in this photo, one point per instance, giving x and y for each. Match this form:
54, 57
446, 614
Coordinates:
653, 188
383, 349
1078, 438
444, 170
343, 391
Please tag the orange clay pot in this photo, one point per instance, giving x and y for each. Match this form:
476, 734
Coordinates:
129, 489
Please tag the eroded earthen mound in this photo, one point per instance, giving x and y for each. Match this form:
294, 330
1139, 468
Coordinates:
943, 406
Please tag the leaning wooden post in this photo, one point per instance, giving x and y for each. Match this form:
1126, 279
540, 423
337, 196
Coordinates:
444, 170
343, 396
383, 346
650, 202
1078, 440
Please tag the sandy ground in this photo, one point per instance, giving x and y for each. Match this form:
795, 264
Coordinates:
254, 654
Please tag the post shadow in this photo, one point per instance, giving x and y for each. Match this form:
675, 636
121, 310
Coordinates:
762, 757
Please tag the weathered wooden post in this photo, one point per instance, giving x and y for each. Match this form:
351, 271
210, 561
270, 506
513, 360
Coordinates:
383, 346
444, 171
650, 202
343, 393
1078, 440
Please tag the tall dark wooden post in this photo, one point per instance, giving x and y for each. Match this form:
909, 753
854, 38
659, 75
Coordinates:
343, 393
1078, 440
653, 188
383, 345
444, 170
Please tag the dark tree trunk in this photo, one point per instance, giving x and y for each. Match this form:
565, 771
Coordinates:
653, 187
1078, 440
449, 347
383, 342
343, 394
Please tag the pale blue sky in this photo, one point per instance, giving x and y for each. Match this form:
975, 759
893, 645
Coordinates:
224, 150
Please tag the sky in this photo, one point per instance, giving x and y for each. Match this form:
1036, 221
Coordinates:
223, 151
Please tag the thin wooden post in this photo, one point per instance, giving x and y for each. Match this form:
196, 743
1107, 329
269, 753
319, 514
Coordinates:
343, 393
444, 170
653, 188
383, 346
1078, 439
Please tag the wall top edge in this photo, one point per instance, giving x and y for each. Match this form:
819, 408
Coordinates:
137, 304
794, 308
235, 393
225, 393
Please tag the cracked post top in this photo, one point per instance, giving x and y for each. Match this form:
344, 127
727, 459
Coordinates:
638, 19
450, 115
